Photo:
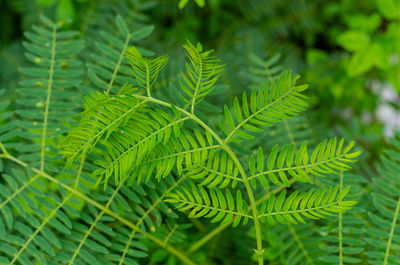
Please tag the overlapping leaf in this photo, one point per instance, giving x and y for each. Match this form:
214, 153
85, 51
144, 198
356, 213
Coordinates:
383, 235
328, 157
211, 203
110, 68
127, 147
202, 72
182, 151
219, 170
144, 69
313, 205
47, 95
100, 121
270, 103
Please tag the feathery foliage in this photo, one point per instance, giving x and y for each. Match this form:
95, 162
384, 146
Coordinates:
146, 70
270, 103
106, 193
328, 157
47, 93
202, 72
109, 66
383, 235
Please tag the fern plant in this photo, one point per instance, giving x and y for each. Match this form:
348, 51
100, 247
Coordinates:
130, 157
135, 135
382, 235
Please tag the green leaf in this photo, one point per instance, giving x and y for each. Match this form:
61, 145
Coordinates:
389, 8
65, 10
353, 40
142, 33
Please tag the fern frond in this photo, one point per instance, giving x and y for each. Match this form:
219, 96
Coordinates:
313, 205
114, 112
144, 69
261, 70
110, 66
182, 151
343, 235
327, 158
145, 217
276, 100
292, 244
383, 235
213, 204
202, 72
219, 170
131, 144
8, 129
46, 93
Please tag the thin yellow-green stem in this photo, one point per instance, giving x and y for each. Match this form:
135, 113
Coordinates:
48, 96
139, 222
170, 233
88, 232
289, 132
311, 165
92, 138
121, 57
340, 228
147, 79
47, 219
391, 234
197, 85
300, 244
38, 229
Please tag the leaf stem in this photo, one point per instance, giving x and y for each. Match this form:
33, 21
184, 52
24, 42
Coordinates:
121, 57
197, 84
256, 113
391, 235
340, 225
48, 96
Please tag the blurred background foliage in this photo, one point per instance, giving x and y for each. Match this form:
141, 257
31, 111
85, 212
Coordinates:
348, 51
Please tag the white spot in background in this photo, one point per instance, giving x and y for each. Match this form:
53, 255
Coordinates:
366, 117
388, 93
386, 112
375, 86
347, 113
394, 59
389, 117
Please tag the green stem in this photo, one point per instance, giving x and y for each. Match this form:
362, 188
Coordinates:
300, 244
197, 85
121, 57
340, 225
48, 96
147, 79
393, 227
208, 237
139, 222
